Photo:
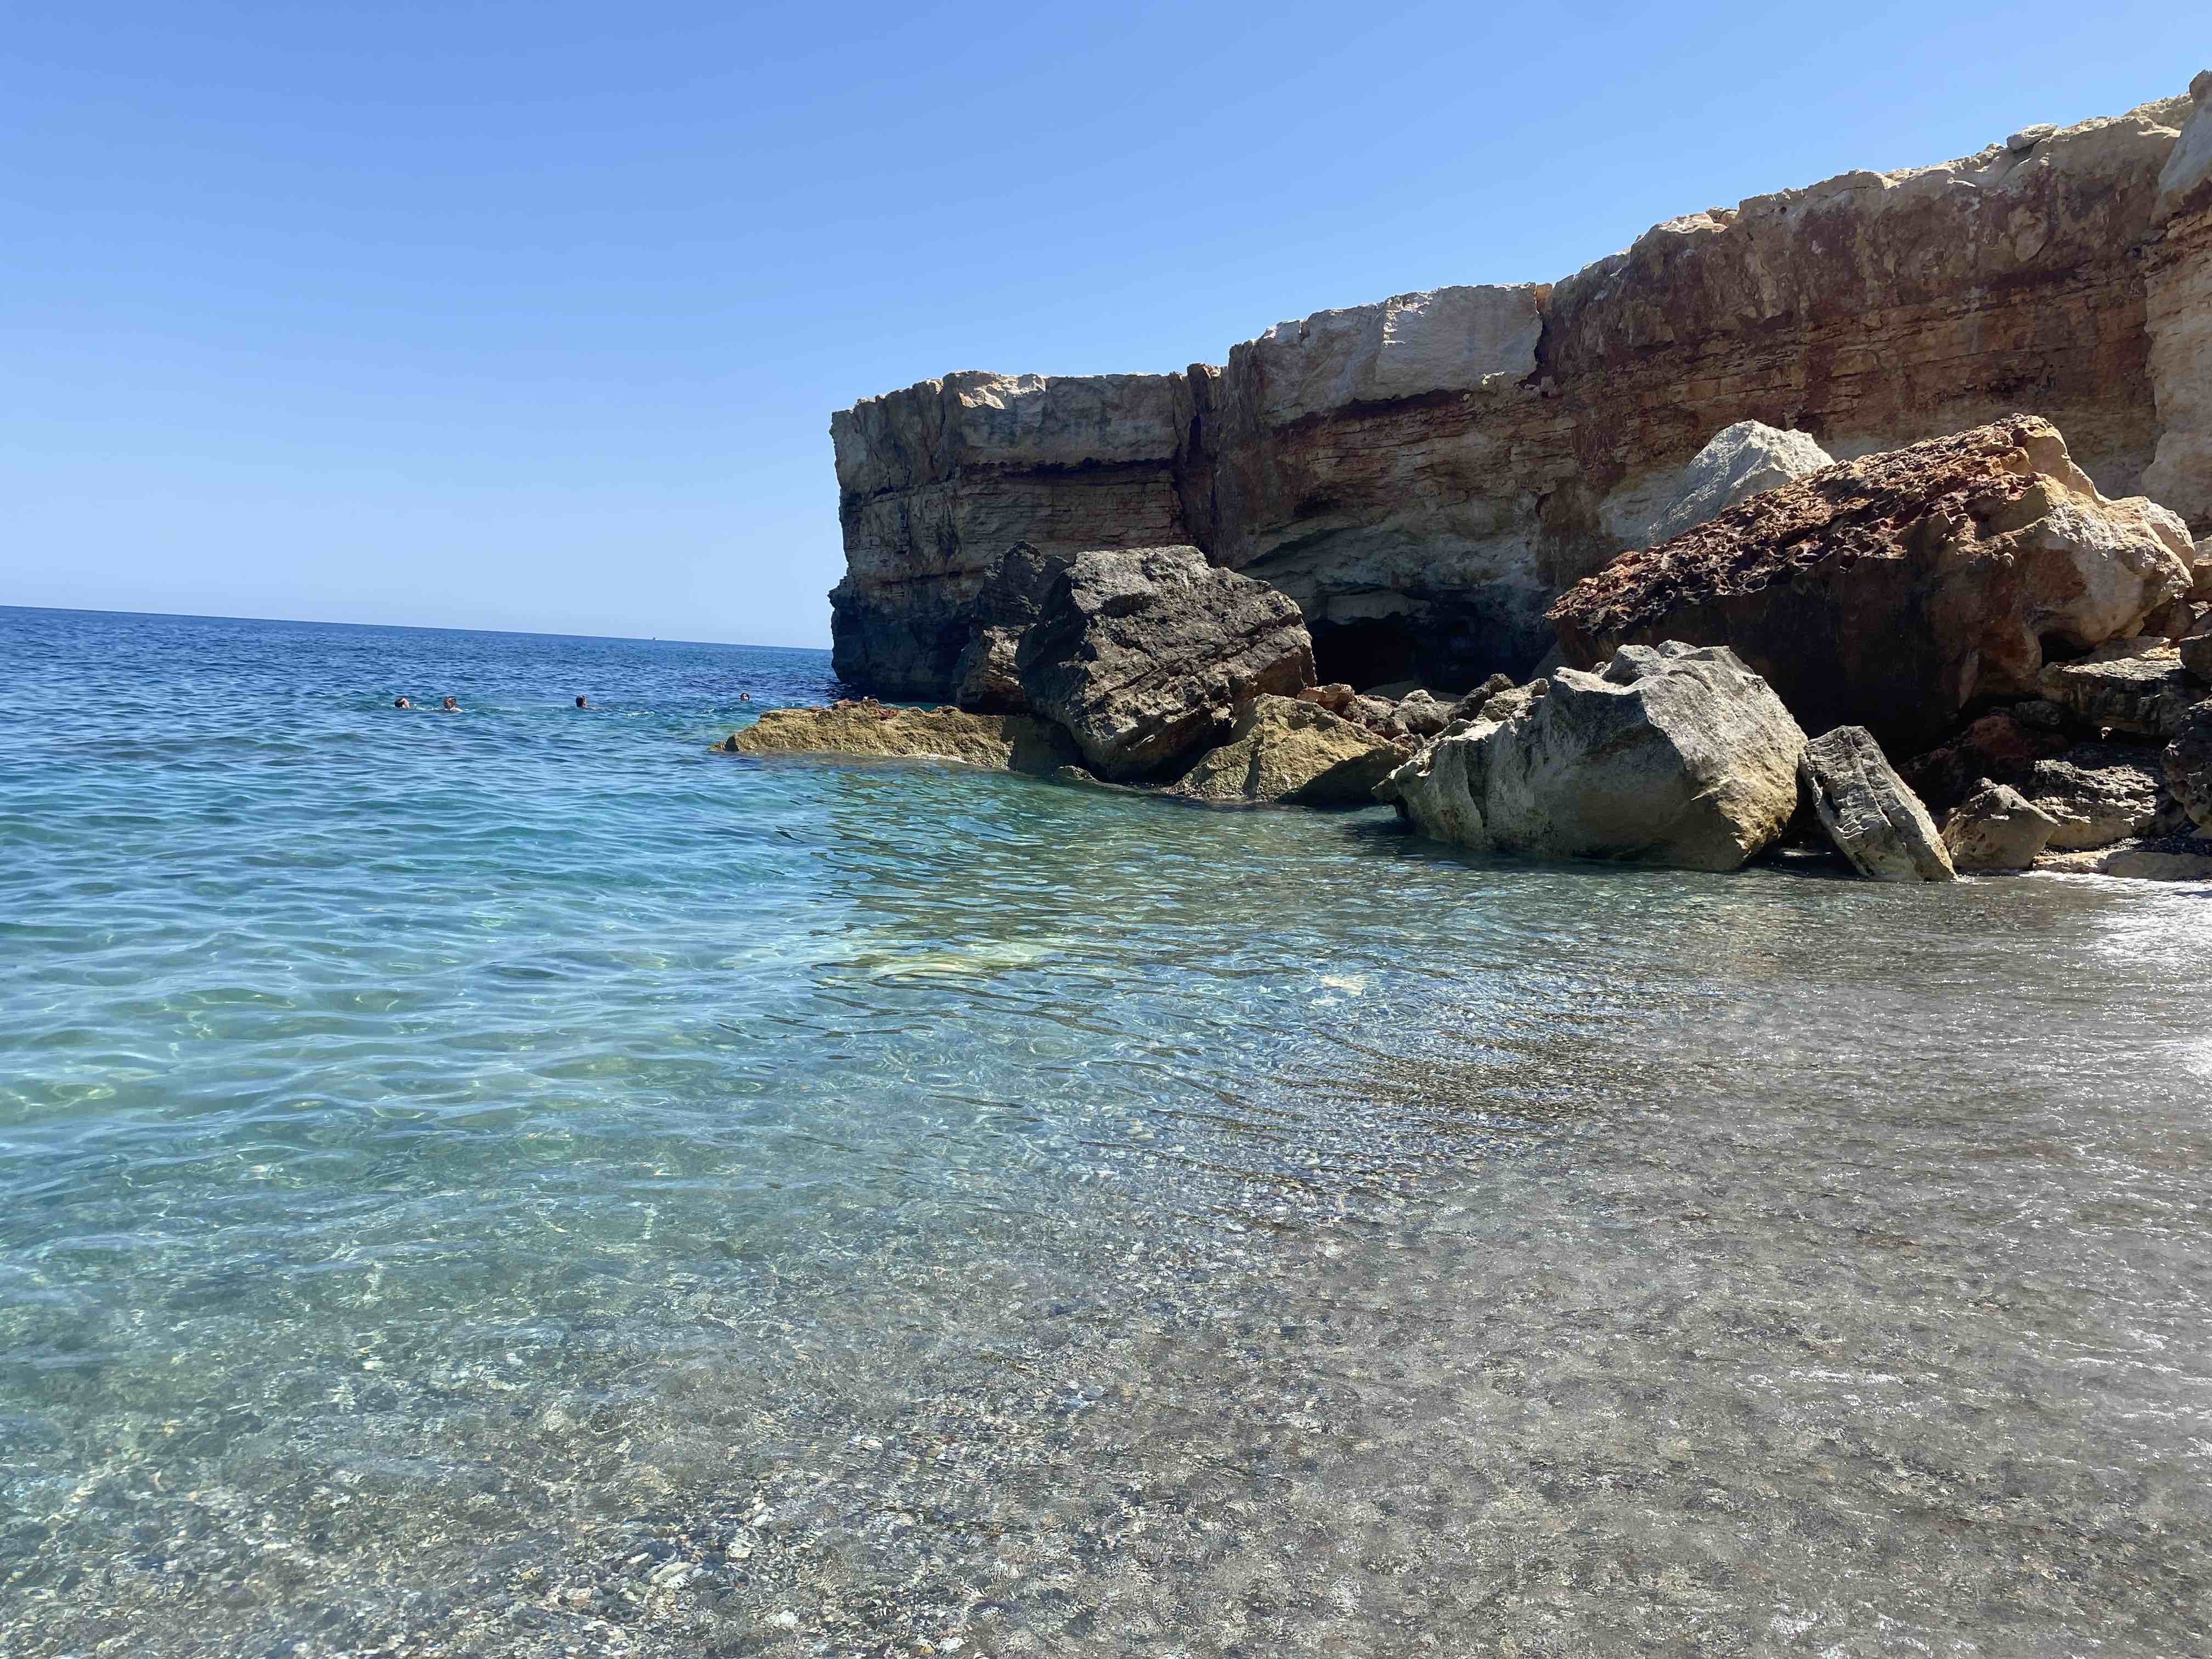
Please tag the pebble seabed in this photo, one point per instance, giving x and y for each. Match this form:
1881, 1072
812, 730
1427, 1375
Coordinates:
1745, 1346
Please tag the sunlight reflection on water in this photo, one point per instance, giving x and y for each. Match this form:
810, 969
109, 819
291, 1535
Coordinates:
526, 1181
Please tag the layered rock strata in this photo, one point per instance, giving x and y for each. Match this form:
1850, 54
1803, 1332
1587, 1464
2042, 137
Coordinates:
2177, 317
2138, 686
1424, 475
1876, 822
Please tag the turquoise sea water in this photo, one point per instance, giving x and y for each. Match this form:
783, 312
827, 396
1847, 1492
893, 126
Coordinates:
521, 1181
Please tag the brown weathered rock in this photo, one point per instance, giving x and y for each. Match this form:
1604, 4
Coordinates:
1892, 591
2155, 862
2000, 747
2130, 685
1876, 822
1423, 476
1009, 742
1997, 828
1283, 750
1144, 655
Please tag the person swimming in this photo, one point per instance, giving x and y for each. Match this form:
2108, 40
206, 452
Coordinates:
745, 697
581, 704
401, 702
450, 706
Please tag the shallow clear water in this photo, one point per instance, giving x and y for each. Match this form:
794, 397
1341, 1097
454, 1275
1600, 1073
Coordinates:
521, 1181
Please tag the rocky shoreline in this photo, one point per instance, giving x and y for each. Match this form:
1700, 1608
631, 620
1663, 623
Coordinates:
1425, 475
1880, 613
2039, 654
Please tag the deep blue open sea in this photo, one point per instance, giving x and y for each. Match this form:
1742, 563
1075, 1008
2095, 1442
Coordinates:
520, 1181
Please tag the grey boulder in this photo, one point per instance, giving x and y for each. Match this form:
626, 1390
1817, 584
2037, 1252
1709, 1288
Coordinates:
1419, 714
1673, 755
1005, 608
1144, 653
1997, 828
1874, 820
1737, 463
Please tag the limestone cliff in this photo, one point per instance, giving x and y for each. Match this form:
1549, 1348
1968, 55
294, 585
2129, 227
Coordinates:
1425, 475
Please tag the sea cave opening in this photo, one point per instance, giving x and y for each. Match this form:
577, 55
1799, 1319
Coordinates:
1372, 651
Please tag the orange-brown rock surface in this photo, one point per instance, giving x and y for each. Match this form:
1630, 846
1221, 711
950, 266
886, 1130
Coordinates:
1425, 475
1893, 591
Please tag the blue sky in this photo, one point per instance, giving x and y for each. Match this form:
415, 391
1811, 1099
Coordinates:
531, 316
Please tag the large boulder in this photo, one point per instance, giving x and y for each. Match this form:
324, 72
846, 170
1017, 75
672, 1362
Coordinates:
1008, 605
1144, 655
1673, 755
2097, 793
1740, 462
1997, 828
2130, 685
1876, 822
1284, 749
1892, 591
1014, 743
2188, 764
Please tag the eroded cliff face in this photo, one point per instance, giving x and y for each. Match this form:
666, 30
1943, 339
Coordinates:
2177, 315
1425, 475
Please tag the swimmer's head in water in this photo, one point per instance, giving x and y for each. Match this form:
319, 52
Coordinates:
580, 704
745, 697
450, 706
401, 702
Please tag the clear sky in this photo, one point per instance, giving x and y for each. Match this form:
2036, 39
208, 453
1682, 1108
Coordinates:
531, 316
